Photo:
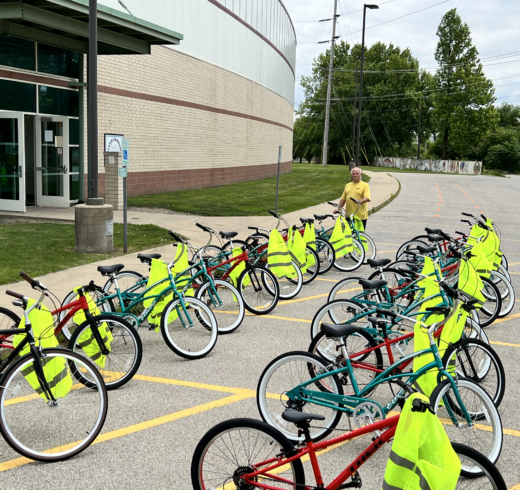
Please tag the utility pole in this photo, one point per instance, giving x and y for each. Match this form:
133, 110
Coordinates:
419, 135
329, 88
355, 105
370, 6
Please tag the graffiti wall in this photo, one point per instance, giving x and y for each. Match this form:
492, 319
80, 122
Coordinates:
449, 166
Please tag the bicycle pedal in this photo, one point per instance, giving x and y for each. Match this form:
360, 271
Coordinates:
355, 483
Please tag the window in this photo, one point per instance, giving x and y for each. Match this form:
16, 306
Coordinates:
16, 53
17, 96
58, 61
57, 101
74, 131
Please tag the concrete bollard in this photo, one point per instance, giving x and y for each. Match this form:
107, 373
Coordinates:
94, 227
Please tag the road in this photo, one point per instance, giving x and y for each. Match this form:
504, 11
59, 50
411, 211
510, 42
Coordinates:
156, 420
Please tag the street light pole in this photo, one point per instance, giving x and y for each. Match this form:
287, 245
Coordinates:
370, 6
419, 135
92, 100
329, 87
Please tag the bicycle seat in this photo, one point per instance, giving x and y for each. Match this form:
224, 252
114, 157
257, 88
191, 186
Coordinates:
147, 258
378, 262
306, 220
296, 417
426, 250
375, 321
332, 331
435, 239
378, 283
228, 234
109, 269
321, 217
433, 231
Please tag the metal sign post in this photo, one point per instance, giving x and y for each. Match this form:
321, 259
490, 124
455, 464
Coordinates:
123, 172
278, 178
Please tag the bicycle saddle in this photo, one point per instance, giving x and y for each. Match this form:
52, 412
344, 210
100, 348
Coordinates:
378, 262
296, 417
228, 234
378, 283
426, 250
434, 238
147, 258
321, 217
331, 331
306, 220
433, 231
109, 269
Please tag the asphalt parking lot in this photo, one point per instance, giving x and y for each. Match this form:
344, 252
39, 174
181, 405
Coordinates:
156, 420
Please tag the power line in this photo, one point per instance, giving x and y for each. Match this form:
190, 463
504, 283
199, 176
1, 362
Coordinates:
341, 13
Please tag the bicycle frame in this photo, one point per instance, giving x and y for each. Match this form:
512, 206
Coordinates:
266, 468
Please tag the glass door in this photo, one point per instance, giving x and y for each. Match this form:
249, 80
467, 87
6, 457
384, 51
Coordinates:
12, 163
52, 161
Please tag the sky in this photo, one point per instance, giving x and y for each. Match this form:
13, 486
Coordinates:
493, 25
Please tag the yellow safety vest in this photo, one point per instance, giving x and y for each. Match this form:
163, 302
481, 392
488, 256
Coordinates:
421, 457
55, 369
87, 340
338, 240
358, 225
278, 257
241, 267
498, 254
296, 247
452, 333
470, 283
479, 260
158, 272
309, 237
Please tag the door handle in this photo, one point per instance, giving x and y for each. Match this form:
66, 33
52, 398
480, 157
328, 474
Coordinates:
64, 169
20, 171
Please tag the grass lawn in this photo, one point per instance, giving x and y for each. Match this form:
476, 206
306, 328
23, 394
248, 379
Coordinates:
41, 248
305, 186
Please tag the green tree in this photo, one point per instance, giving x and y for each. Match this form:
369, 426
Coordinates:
509, 115
505, 157
463, 102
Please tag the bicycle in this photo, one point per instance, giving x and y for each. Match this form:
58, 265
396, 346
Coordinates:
249, 454
44, 414
299, 379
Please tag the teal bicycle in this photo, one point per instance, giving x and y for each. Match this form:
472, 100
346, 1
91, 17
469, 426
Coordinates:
307, 383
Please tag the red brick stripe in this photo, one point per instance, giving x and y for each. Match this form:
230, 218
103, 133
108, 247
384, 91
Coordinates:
251, 28
184, 103
26, 77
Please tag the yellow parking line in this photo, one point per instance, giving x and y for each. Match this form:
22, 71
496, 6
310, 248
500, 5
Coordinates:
131, 429
507, 318
513, 272
323, 279
514, 263
387, 251
307, 298
503, 343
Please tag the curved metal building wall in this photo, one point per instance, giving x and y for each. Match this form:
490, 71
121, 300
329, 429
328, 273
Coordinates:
214, 109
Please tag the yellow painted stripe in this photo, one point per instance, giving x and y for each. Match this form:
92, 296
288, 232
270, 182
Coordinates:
514, 263
327, 280
15, 463
504, 343
507, 318
387, 251
307, 298
510, 272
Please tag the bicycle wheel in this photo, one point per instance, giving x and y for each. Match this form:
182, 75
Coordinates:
473, 330
259, 289
236, 243
490, 479
338, 312
234, 448
486, 434
346, 289
98, 295
287, 372
8, 319
190, 333
225, 302
507, 293
330, 351
125, 280
313, 270
352, 260
490, 310
52, 431
126, 349
396, 283
290, 286
477, 361
326, 255
401, 251
371, 249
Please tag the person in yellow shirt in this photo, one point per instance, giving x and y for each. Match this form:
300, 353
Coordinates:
360, 192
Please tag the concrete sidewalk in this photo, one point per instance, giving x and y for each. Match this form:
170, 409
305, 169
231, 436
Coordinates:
382, 186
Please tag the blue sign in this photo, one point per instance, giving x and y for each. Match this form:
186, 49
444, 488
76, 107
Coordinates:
126, 150
125, 154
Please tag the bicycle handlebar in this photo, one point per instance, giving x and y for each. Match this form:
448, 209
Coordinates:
332, 204
381, 311
15, 295
452, 293
482, 216
202, 227
177, 237
273, 214
467, 214
33, 282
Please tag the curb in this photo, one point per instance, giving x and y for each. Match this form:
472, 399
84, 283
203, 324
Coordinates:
389, 200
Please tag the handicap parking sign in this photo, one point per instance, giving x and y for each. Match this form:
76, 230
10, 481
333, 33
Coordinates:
126, 150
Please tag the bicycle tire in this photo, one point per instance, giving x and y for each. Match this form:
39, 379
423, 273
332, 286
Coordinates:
507, 293
229, 448
236, 243
201, 336
312, 271
471, 457
290, 287
125, 280
326, 349
326, 255
394, 278
355, 259
106, 306
401, 251
488, 438
227, 320
258, 298
490, 310
277, 380
74, 432
372, 249
8, 319
346, 309
126, 350
345, 286
479, 362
